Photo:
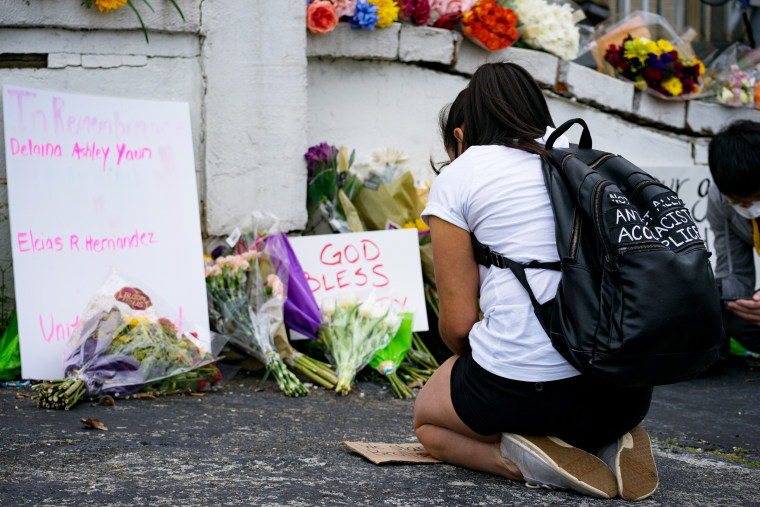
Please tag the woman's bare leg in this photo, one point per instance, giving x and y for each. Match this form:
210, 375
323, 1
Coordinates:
447, 438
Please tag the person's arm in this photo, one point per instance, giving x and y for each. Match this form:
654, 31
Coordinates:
733, 262
457, 281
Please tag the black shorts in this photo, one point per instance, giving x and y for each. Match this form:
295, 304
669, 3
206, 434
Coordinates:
583, 411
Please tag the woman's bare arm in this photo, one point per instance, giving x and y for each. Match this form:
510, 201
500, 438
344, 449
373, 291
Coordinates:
457, 280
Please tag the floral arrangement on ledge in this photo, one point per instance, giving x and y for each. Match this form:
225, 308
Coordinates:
546, 25
656, 66
106, 6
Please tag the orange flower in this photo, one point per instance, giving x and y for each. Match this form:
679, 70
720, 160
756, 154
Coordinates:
321, 16
107, 5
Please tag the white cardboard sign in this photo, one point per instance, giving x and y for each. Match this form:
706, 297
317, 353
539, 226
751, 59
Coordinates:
385, 264
95, 185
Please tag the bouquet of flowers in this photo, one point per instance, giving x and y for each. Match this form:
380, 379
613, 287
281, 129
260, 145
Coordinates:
550, 27
388, 359
490, 26
732, 76
122, 346
246, 299
655, 66
322, 16
331, 187
644, 49
352, 332
738, 89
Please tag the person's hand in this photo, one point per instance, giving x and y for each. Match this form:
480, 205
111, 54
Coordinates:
747, 309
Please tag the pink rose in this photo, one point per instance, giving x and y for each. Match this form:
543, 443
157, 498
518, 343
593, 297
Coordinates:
451, 7
345, 7
321, 17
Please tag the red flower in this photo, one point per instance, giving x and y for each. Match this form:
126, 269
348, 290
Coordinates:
448, 22
653, 73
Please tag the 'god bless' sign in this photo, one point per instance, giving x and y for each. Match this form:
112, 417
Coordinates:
382, 265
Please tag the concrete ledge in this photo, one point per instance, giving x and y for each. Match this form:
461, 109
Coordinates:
70, 14
667, 112
589, 85
708, 118
112, 61
542, 66
347, 42
63, 60
56, 40
423, 44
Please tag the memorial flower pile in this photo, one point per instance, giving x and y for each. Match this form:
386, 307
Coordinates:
549, 27
352, 332
246, 299
656, 66
331, 186
738, 89
490, 25
124, 347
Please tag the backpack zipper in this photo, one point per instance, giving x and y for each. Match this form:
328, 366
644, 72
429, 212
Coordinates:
597, 218
600, 160
576, 233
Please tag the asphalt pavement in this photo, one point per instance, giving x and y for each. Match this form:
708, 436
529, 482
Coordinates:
240, 445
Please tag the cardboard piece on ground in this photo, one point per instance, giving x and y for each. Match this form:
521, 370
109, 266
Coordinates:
380, 453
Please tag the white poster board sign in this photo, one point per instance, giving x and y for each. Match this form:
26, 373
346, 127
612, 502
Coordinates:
95, 185
383, 264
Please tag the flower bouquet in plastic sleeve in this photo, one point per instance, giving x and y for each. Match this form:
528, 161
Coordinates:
388, 359
123, 345
246, 298
490, 26
732, 76
331, 185
551, 26
352, 331
644, 49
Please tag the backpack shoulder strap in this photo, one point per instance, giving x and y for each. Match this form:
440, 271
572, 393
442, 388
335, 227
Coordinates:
487, 257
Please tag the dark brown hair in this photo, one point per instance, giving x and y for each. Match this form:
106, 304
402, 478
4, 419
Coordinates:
504, 105
450, 117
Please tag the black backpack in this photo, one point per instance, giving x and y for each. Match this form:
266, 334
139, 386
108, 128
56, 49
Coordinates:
637, 303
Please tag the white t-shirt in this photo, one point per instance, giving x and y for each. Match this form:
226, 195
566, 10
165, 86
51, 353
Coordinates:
499, 194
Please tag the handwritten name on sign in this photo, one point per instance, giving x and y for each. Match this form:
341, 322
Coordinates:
98, 185
379, 264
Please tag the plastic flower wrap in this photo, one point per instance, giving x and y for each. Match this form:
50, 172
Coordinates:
732, 76
321, 16
352, 332
246, 299
331, 186
738, 90
644, 49
388, 359
490, 26
124, 345
549, 26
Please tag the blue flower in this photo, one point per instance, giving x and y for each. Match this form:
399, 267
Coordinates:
666, 58
366, 15
654, 61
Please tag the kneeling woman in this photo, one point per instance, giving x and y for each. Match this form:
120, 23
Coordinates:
507, 402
